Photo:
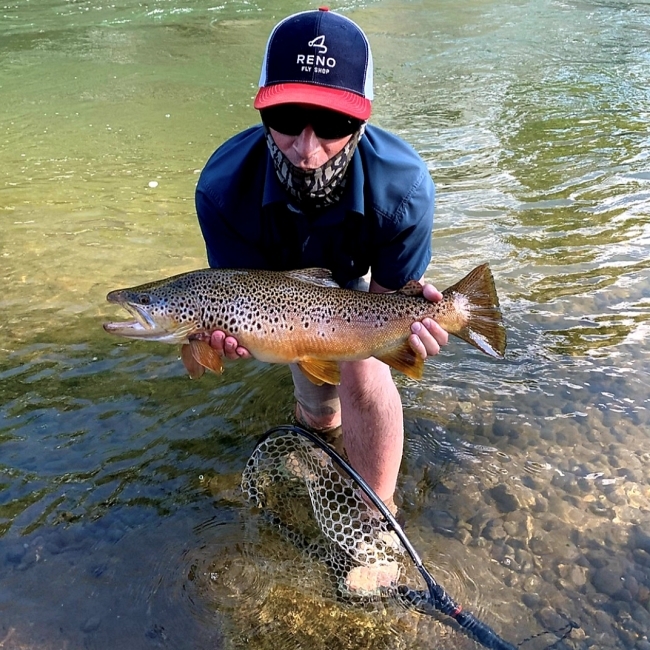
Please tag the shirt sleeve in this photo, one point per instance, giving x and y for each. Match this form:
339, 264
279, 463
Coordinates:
225, 246
228, 201
403, 240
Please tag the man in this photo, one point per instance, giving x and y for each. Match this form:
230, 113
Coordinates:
315, 186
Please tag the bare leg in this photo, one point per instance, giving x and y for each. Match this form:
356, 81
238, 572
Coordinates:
373, 425
373, 436
370, 410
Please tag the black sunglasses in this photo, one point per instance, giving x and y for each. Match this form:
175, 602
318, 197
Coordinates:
290, 119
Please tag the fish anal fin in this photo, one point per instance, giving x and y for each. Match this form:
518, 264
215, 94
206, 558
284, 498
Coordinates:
194, 370
319, 277
483, 324
320, 371
206, 356
412, 288
404, 359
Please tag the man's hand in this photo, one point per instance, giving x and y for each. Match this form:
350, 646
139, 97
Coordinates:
228, 346
427, 336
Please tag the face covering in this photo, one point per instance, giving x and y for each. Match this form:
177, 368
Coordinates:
312, 189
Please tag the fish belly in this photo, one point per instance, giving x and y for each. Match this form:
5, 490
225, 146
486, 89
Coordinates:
335, 339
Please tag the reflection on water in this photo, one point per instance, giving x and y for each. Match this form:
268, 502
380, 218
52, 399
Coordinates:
524, 482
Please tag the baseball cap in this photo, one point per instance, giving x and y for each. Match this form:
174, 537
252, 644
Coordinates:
319, 58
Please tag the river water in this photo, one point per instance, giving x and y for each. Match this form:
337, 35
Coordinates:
525, 481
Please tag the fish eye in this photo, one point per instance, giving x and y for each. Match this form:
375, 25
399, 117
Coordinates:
145, 299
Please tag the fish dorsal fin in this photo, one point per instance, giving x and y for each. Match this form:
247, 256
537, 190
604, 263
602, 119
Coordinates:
320, 372
412, 288
405, 359
200, 353
315, 275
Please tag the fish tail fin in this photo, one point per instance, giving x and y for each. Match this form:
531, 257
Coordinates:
484, 327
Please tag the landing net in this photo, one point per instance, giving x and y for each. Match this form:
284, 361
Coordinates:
317, 500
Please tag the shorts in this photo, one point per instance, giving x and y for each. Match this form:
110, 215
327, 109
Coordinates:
316, 401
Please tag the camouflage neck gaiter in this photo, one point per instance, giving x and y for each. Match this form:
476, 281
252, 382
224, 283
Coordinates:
313, 189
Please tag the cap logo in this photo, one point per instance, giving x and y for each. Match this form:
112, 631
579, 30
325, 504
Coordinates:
318, 62
319, 42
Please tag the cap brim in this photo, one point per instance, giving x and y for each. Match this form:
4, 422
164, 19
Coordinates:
342, 101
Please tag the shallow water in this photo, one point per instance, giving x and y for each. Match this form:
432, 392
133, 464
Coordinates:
524, 483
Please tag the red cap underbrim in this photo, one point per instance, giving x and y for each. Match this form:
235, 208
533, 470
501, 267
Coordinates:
335, 99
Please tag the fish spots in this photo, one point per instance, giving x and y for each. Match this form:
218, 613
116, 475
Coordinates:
269, 304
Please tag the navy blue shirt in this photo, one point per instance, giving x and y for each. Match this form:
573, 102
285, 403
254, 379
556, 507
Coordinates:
382, 222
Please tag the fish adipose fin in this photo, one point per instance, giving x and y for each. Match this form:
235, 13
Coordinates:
320, 372
484, 328
412, 288
198, 355
405, 359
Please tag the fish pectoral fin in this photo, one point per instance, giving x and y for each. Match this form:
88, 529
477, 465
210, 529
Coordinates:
404, 359
320, 372
314, 275
205, 356
194, 370
412, 288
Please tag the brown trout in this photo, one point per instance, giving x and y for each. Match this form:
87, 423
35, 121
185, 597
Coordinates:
304, 317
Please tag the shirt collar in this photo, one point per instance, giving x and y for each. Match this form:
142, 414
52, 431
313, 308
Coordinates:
352, 199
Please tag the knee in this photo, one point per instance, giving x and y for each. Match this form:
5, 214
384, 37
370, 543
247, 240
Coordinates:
367, 380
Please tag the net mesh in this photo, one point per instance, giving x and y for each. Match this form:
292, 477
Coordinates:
316, 505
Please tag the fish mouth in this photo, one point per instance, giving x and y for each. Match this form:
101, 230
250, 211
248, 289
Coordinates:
143, 326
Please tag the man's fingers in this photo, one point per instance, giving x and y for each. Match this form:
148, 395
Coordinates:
417, 346
427, 337
243, 353
228, 346
431, 293
217, 340
441, 336
233, 350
